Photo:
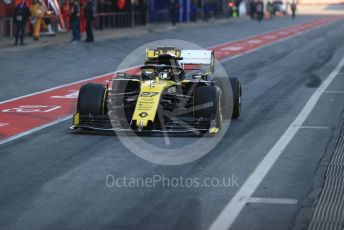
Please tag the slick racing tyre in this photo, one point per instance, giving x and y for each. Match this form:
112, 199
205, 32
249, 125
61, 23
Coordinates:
236, 88
226, 104
92, 100
207, 103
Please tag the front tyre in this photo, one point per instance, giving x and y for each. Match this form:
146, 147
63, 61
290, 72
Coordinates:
92, 100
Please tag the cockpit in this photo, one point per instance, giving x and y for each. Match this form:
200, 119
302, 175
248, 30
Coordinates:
163, 72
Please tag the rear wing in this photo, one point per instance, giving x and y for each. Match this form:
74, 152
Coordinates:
154, 53
206, 58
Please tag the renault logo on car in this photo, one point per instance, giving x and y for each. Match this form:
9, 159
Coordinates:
143, 114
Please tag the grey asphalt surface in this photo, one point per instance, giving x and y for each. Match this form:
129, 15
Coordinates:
56, 179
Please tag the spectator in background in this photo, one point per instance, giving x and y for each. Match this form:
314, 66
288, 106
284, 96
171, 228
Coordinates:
215, 8
260, 10
237, 7
206, 10
252, 9
66, 15
293, 9
222, 7
270, 8
174, 7
109, 8
21, 15
75, 17
136, 8
101, 10
231, 8
211, 8
38, 12
143, 12
89, 16
218, 8
193, 12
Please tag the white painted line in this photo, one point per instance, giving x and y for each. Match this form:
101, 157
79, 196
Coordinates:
57, 87
295, 30
232, 48
314, 127
232, 210
269, 32
270, 37
64, 85
264, 46
333, 91
34, 130
272, 200
72, 95
254, 41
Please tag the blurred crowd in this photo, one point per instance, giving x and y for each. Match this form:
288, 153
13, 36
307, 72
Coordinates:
39, 17
80, 15
257, 9
209, 9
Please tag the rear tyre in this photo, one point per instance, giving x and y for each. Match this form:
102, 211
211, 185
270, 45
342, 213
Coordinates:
236, 89
92, 100
218, 116
222, 84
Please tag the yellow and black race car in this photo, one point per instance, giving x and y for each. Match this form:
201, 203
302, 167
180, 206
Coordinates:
173, 92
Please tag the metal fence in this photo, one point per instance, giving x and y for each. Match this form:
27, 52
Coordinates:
137, 18
109, 20
200, 14
112, 20
103, 21
120, 20
6, 27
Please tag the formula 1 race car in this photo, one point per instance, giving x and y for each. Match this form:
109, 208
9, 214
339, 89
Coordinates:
170, 93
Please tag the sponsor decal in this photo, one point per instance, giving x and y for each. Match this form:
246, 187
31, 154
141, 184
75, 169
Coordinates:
143, 114
172, 90
148, 94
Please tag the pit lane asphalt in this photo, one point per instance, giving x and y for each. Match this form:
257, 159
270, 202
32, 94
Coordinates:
55, 179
